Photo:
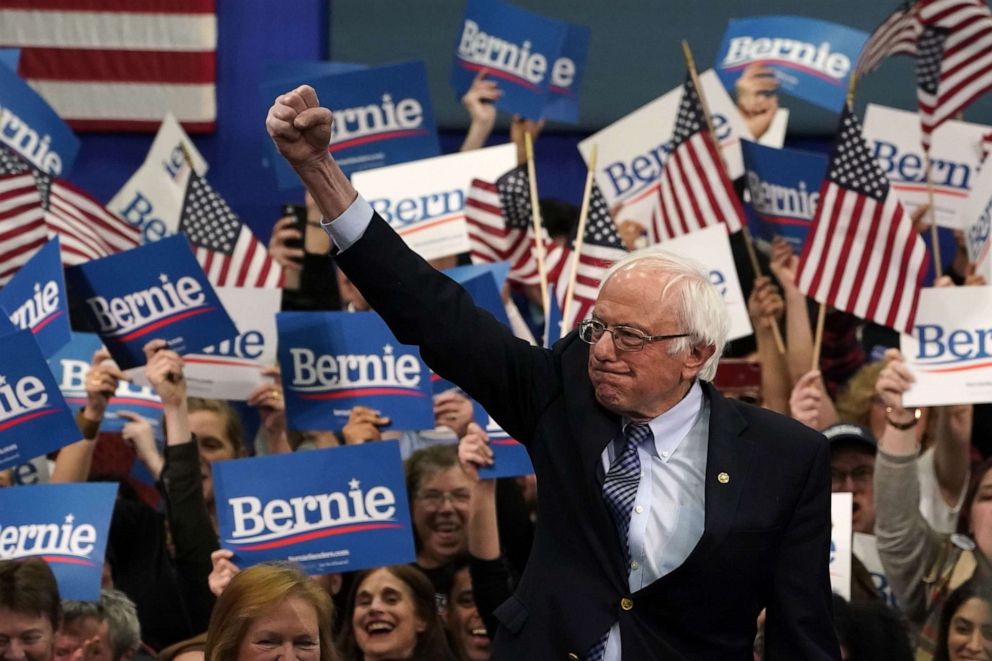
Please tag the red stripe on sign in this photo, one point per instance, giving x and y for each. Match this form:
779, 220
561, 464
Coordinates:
118, 66
220, 361
361, 392
962, 368
163, 322
389, 135
129, 6
26, 417
135, 126
306, 537
47, 320
61, 559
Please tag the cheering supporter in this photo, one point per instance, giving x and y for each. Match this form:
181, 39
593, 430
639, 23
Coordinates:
966, 624
923, 565
440, 503
168, 590
392, 614
104, 630
271, 611
30, 610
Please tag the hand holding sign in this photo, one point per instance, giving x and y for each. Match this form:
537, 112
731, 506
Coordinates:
164, 371
480, 102
101, 384
363, 426
784, 264
474, 451
271, 405
894, 379
454, 411
299, 127
757, 97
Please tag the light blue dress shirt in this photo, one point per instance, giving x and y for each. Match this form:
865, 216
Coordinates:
669, 509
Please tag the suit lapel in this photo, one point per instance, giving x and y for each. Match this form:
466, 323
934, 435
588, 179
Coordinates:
594, 427
727, 468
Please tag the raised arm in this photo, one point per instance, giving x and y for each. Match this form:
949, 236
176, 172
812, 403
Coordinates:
907, 546
73, 462
765, 308
479, 101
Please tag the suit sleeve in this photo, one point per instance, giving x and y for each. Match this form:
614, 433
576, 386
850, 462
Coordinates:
799, 620
513, 380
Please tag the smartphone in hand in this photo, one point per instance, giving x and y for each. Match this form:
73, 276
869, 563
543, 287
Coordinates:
299, 212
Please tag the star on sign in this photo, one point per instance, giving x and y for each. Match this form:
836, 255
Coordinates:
3, 380
354, 484
69, 518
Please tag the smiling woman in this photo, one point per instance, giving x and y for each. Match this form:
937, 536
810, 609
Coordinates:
393, 615
271, 611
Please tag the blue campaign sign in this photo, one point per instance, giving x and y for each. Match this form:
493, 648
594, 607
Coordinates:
510, 458
566, 77
155, 291
812, 59
784, 188
34, 418
342, 509
32, 129
334, 361
70, 365
462, 273
9, 57
63, 524
513, 45
35, 299
382, 116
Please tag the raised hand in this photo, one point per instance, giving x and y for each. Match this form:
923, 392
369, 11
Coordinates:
474, 451
299, 127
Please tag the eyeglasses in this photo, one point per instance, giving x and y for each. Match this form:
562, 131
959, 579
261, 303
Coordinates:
860, 475
435, 499
625, 338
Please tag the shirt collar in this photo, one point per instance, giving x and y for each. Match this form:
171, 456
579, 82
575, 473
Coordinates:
671, 427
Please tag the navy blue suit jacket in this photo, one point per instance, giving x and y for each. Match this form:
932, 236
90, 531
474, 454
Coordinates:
767, 529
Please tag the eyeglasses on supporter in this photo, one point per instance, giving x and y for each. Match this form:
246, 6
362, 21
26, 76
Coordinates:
860, 475
625, 338
435, 499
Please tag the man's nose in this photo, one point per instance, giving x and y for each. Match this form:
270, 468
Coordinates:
604, 349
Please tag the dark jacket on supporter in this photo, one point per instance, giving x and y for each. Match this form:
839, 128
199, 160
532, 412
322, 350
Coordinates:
767, 528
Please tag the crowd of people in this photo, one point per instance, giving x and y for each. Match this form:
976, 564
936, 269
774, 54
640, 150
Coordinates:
922, 494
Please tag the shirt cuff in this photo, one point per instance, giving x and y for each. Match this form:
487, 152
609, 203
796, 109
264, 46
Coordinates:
349, 227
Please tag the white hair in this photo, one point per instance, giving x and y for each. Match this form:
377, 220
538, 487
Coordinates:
702, 310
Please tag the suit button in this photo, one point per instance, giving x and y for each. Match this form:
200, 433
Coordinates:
627, 603
573, 656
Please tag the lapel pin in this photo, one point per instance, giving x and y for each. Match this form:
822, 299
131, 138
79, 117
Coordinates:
723, 478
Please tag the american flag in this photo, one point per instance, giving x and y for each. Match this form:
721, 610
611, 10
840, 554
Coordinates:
118, 65
514, 197
954, 59
86, 228
22, 223
601, 247
487, 233
695, 191
863, 254
227, 250
896, 35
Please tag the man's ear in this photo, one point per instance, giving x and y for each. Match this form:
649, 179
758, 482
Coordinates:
695, 358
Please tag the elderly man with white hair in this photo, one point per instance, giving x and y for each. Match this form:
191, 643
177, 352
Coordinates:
668, 516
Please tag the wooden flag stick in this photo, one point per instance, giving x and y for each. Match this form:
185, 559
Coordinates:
818, 338
535, 213
752, 255
580, 234
932, 212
